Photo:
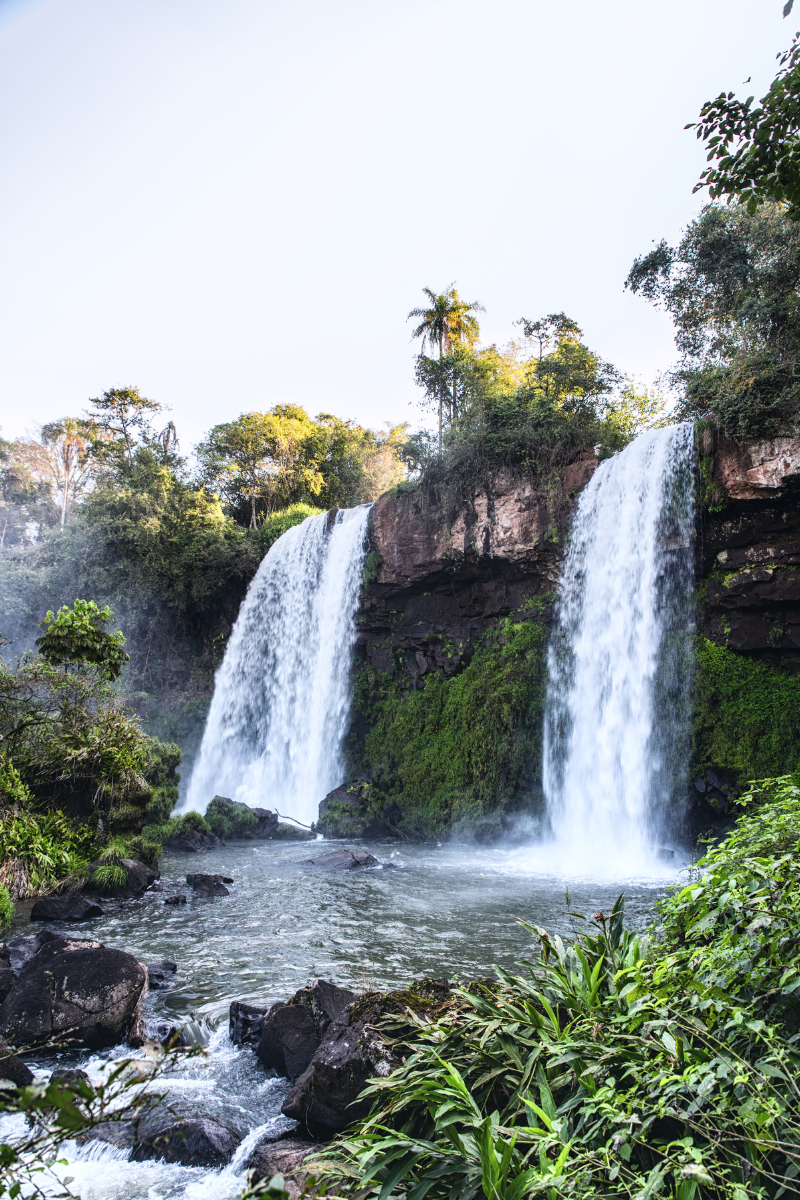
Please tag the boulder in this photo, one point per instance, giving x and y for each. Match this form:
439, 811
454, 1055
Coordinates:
159, 975
75, 992
357, 809
140, 878
179, 899
12, 1068
244, 1023
72, 906
74, 1075
192, 842
284, 1157
325, 1097
292, 1032
22, 949
343, 860
267, 823
191, 1142
209, 885
6, 973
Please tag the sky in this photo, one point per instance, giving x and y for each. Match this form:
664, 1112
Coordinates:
232, 204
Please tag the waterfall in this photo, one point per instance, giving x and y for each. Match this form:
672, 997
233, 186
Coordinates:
281, 702
617, 712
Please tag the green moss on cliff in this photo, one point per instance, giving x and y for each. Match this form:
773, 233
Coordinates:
747, 716
465, 747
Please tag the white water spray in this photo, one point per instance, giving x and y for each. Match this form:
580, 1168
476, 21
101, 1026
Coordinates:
281, 702
617, 709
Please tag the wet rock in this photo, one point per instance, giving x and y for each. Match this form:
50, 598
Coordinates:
12, 1068
74, 1075
22, 949
292, 1032
209, 885
195, 1142
140, 878
70, 907
283, 1157
6, 973
193, 842
159, 975
244, 1023
73, 991
179, 899
324, 1098
343, 860
357, 809
267, 823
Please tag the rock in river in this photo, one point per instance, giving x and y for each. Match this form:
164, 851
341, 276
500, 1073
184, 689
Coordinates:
194, 1142
140, 878
343, 860
76, 992
244, 1023
193, 842
292, 1032
72, 906
284, 1157
209, 885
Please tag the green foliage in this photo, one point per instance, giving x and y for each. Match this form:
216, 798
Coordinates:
39, 850
755, 149
464, 746
730, 288
372, 568
161, 772
8, 910
229, 820
74, 636
614, 1066
277, 523
747, 715
110, 876
190, 822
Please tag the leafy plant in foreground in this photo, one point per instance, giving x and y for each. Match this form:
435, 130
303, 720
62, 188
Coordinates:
617, 1065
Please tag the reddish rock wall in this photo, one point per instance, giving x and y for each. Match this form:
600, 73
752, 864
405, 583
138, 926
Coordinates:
440, 587
750, 547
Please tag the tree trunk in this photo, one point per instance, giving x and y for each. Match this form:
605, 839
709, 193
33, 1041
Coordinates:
253, 509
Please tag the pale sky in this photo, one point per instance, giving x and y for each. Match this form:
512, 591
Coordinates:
234, 203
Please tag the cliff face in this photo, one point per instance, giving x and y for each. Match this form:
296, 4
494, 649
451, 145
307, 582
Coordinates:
750, 547
438, 588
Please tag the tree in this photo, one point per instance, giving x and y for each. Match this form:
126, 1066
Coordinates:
76, 636
449, 321
62, 459
731, 287
756, 150
122, 416
262, 460
550, 331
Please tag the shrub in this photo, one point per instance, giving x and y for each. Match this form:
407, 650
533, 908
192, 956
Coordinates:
8, 909
110, 876
229, 820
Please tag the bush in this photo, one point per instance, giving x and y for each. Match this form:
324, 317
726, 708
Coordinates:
8, 910
229, 820
616, 1066
40, 851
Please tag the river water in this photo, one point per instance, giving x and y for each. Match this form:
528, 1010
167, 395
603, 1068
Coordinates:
427, 910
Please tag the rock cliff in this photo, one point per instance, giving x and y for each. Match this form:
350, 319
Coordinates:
750, 546
436, 588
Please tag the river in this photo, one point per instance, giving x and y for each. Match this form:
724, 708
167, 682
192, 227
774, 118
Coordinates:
428, 910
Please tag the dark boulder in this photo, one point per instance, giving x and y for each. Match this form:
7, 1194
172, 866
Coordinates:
292, 1032
75, 992
267, 823
22, 949
140, 878
244, 1023
343, 860
209, 885
72, 906
12, 1068
192, 842
357, 809
191, 1142
7, 975
325, 1097
159, 975
179, 899
284, 1157
74, 1075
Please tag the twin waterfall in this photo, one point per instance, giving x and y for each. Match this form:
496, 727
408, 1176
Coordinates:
618, 699
282, 695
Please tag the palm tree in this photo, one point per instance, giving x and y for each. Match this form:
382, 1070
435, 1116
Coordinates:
448, 321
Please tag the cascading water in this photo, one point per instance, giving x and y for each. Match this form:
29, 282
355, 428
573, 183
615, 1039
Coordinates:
274, 732
618, 699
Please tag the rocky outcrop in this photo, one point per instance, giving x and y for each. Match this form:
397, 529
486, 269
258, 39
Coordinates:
193, 842
285, 1158
439, 585
291, 1033
209, 885
74, 992
244, 1023
750, 546
140, 877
